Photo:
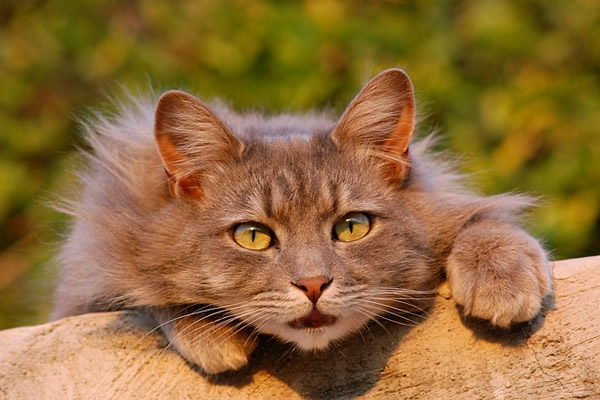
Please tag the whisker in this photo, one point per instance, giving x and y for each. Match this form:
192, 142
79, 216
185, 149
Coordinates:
239, 327
423, 313
370, 315
208, 329
361, 335
367, 328
207, 308
387, 306
401, 294
391, 320
402, 290
228, 319
253, 335
386, 311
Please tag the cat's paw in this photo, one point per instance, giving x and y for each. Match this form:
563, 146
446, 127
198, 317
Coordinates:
223, 355
498, 273
215, 348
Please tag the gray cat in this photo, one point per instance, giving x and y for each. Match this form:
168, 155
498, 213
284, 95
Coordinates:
225, 225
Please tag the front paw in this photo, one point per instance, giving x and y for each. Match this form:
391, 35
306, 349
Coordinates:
498, 273
217, 352
214, 347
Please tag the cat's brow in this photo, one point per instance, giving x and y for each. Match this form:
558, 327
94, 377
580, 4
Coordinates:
267, 201
333, 189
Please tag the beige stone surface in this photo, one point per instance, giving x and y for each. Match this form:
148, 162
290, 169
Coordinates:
118, 356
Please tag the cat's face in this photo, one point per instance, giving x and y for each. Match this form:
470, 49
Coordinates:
333, 246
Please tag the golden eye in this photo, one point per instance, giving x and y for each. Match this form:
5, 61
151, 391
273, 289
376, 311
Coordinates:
352, 227
253, 236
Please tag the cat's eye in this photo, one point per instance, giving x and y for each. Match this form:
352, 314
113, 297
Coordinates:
352, 227
253, 236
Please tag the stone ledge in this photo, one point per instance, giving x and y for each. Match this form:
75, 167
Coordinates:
112, 356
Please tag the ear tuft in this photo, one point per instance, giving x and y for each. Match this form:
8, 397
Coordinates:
190, 139
381, 120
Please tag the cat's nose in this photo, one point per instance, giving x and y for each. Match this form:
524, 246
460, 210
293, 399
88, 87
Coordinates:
313, 287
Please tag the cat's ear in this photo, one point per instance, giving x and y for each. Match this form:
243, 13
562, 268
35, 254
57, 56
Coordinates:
380, 120
190, 140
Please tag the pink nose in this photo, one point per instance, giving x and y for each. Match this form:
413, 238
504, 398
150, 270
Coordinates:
313, 287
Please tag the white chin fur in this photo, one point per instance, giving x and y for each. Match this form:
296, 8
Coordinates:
314, 338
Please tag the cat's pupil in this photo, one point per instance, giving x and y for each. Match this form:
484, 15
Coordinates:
351, 226
253, 235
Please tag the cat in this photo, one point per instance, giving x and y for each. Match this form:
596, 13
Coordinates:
224, 225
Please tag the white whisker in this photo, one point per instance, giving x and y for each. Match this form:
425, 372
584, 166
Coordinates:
413, 323
386, 308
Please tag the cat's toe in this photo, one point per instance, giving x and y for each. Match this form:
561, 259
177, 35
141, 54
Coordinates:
501, 306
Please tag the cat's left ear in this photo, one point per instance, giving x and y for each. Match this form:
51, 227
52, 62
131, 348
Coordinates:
380, 120
191, 141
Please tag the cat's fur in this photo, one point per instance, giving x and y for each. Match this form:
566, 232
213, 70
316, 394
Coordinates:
165, 186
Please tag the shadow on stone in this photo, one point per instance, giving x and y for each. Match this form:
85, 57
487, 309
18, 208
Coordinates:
357, 362
237, 379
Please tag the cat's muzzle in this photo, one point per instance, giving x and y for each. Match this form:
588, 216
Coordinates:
315, 319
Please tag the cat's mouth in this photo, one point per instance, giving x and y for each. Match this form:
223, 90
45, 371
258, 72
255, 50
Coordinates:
316, 319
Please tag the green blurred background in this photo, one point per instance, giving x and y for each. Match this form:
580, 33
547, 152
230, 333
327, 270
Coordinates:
514, 87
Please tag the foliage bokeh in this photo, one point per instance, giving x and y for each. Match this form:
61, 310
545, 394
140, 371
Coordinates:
514, 87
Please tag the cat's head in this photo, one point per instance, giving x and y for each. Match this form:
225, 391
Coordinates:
299, 227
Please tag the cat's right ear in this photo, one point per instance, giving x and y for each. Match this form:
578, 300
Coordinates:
190, 140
